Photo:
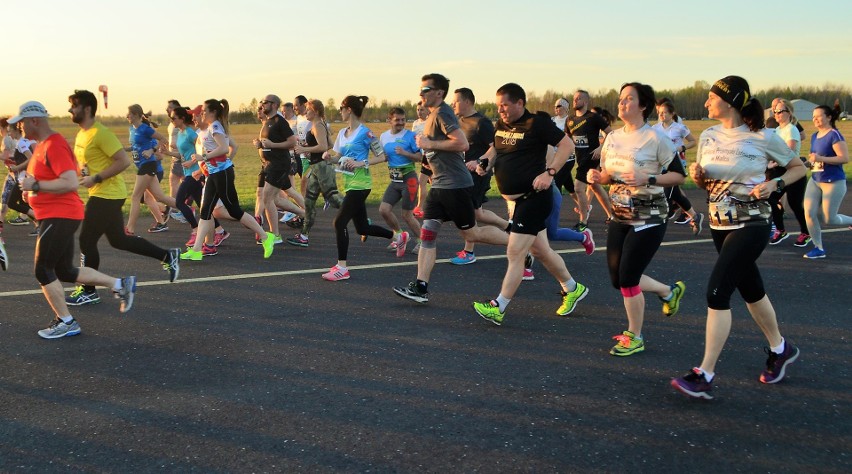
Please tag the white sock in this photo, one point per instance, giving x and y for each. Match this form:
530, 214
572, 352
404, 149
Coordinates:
67, 319
779, 349
303, 236
502, 302
568, 286
117, 285
708, 376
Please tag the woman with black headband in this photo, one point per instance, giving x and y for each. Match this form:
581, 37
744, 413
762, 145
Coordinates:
731, 161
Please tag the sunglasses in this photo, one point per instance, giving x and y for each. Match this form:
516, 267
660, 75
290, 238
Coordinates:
558, 106
426, 89
780, 111
173, 118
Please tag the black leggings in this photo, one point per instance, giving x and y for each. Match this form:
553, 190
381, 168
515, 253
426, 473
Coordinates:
54, 252
104, 217
353, 209
675, 196
563, 178
795, 199
220, 186
16, 200
628, 252
736, 267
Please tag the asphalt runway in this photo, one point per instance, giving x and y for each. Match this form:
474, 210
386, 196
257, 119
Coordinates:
253, 365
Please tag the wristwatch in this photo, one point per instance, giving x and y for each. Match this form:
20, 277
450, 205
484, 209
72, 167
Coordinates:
551, 171
36, 187
97, 178
781, 185
652, 180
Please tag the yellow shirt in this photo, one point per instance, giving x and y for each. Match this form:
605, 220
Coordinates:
94, 149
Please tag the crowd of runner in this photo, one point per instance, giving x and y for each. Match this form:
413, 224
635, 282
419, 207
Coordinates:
633, 171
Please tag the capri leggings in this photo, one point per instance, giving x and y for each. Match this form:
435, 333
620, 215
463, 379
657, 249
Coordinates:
190, 189
54, 252
554, 232
736, 267
220, 186
16, 201
823, 200
563, 178
321, 180
795, 200
353, 209
675, 196
628, 252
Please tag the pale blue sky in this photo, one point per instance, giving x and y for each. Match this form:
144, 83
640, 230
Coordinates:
149, 52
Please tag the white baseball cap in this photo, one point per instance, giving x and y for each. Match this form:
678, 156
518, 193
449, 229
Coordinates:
29, 109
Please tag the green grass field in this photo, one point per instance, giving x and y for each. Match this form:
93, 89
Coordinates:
247, 162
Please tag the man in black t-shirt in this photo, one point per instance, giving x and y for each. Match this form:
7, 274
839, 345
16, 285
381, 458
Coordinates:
524, 177
480, 135
274, 144
585, 127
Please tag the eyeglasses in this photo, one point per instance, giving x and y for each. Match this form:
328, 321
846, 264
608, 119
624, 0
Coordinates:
264, 102
173, 118
776, 112
426, 89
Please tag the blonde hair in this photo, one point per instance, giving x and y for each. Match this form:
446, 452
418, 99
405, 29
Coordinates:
789, 106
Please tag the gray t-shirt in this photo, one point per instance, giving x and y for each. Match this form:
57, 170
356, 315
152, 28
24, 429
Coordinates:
448, 169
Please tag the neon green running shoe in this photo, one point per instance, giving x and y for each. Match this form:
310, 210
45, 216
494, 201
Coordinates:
268, 244
570, 300
191, 254
489, 311
628, 344
671, 307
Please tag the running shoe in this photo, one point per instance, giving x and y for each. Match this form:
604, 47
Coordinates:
416, 249
412, 292
298, 240
683, 218
278, 239
59, 328
694, 384
417, 212
126, 293
529, 275
191, 254
336, 273
287, 217
529, 260
33, 232
80, 297
697, 224
463, 258
570, 300
268, 245
19, 221
672, 306
296, 222
220, 237
209, 250
815, 252
490, 311
4, 259
672, 212
580, 226
172, 264
628, 344
326, 205
776, 364
777, 237
167, 214
191, 241
391, 246
588, 242
158, 227
802, 240
401, 244
177, 216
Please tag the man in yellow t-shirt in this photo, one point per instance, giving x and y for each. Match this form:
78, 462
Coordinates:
102, 160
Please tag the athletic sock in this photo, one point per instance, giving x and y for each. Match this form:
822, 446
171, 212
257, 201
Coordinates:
668, 298
708, 376
779, 349
502, 302
568, 286
422, 286
67, 319
117, 285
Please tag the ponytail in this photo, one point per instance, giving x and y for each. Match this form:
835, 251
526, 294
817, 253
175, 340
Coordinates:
752, 115
220, 107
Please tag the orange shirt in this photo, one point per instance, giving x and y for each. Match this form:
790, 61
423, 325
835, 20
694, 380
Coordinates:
51, 158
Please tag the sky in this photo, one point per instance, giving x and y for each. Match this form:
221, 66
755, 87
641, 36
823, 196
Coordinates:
193, 50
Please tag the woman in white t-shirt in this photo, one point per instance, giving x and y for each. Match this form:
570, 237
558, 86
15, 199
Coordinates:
632, 161
682, 140
730, 165
788, 130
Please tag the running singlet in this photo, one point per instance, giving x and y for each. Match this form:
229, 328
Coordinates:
357, 147
522, 151
734, 162
824, 146
94, 149
141, 139
646, 150
399, 165
51, 158
219, 163
186, 147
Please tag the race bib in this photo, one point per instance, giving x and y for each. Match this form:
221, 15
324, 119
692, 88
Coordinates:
622, 204
723, 213
396, 174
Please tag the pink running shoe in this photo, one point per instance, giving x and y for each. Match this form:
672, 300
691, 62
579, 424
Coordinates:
191, 241
401, 244
336, 273
209, 251
220, 237
528, 274
588, 242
